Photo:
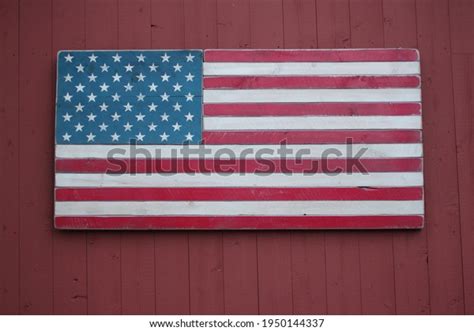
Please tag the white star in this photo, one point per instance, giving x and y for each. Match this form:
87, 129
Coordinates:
189, 77
128, 67
104, 67
92, 97
104, 87
177, 67
140, 136
79, 107
177, 87
141, 58
152, 106
190, 57
69, 58
68, 97
68, 78
66, 136
177, 107
189, 97
153, 67
164, 117
103, 127
79, 87
115, 117
152, 127
140, 117
141, 77
140, 97
103, 107
78, 127
80, 68
67, 117
115, 136
116, 97
176, 126
92, 58
164, 136
189, 117
165, 58
128, 127
91, 117
189, 136
116, 77
164, 97
128, 107
116, 57
128, 87
165, 77
92, 77
152, 87
90, 137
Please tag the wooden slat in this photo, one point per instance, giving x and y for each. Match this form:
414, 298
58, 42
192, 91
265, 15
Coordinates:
441, 190
70, 284
103, 249
9, 148
171, 249
239, 248
137, 249
409, 248
463, 83
36, 152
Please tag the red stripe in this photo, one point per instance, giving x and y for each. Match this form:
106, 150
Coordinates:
311, 82
310, 55
312, 137
241, 222
247, 166
295, 109
240, 193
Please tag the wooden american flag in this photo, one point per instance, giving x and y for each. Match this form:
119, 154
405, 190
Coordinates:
287, 139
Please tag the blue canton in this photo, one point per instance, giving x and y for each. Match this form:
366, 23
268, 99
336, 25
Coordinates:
119, 97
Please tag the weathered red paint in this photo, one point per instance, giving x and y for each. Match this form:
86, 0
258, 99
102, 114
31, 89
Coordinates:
406, 272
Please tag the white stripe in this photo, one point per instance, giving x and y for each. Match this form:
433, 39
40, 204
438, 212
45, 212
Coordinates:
312, 95
237, 208
310, 68
310, 122
387, 179
240, 151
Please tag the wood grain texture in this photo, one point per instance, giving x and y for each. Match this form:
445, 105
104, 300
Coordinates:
9, 149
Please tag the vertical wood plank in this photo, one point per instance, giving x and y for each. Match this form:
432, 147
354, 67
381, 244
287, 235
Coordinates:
308, 260
273, 247
239, 247
137, 248
341, 247
70, 283
463, 83
410, 247
9, 175
299, 17
171, 248
440, 170
103, 248
36, 116
376, 248
205, 248
461, 14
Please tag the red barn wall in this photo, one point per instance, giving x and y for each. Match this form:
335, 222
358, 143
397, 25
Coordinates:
44, 271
